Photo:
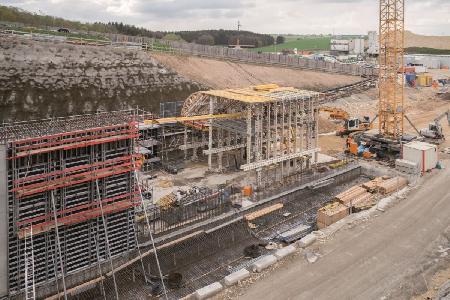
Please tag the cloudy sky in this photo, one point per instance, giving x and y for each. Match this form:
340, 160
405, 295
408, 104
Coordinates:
430, 17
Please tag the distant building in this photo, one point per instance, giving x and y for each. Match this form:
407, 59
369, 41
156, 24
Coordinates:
339, 47
357, 46
374, 44
344, 47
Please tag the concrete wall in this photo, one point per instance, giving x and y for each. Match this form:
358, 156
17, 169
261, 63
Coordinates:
3, 223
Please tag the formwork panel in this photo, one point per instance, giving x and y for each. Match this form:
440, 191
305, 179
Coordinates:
78, 169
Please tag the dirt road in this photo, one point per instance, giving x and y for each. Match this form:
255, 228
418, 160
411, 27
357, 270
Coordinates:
384, 257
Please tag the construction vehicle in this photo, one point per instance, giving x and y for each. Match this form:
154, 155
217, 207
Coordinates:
335, 113
434, 130
351, 124
354, 125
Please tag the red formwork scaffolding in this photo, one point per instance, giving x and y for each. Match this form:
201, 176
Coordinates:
71, 189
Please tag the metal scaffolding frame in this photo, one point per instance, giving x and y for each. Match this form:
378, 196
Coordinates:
391, 88
278, 127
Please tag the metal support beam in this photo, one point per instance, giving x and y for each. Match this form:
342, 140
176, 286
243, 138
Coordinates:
223, 149
264, 163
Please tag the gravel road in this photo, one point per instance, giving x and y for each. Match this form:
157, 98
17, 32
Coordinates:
378, 259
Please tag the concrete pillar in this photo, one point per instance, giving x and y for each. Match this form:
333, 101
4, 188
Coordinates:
220, 145
194, 146
249, 134
185, 142
3, 223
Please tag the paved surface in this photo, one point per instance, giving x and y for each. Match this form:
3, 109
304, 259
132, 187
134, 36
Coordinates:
371, 259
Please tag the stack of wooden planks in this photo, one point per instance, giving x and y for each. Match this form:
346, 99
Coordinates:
363, 201
351, 194
392, 185
262, 212
372, 186
331, 213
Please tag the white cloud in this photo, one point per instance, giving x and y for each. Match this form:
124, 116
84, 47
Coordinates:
282, 16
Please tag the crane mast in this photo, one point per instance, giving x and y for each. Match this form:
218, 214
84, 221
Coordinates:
391, 88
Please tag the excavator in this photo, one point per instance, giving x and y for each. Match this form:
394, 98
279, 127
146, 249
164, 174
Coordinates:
351, 124
434, 130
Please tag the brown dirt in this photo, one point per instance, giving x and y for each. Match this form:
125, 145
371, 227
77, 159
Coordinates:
434, 284
422, 105
219, 74
436, 42
326, 125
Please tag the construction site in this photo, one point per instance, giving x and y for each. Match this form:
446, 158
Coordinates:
209, 195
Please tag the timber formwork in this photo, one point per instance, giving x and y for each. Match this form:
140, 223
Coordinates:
276, 135
71, 196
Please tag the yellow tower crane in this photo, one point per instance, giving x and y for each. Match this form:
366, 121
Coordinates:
391, 59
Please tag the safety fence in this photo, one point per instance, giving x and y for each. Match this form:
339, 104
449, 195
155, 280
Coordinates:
292, 61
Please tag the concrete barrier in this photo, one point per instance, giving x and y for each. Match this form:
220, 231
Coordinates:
263, 263
307, 240
208, 291
235, 277
283, 252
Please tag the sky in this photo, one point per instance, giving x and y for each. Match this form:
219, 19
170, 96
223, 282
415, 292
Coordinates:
430, 17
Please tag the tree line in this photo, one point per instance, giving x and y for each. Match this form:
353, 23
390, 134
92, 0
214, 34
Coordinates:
206, 37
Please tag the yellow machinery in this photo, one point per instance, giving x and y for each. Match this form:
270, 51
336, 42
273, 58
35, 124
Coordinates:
351, 124
354, 125
336, 113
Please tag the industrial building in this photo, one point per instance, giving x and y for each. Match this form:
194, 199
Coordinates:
347, 46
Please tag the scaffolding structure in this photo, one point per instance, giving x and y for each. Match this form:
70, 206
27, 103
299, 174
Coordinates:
71, 197
271, 130
391, 88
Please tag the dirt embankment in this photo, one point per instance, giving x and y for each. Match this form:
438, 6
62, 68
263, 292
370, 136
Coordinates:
427, 41
220, 74
41, 79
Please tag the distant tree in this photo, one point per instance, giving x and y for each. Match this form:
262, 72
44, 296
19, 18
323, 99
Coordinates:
172, 37
205, 39
280, 39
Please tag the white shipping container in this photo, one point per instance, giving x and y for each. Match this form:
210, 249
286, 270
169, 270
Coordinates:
424, 154
421, 69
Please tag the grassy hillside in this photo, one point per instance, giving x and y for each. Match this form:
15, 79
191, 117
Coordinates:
424, 50
18, 19
301, 43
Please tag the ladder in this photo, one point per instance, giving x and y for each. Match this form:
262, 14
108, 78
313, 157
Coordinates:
30, 289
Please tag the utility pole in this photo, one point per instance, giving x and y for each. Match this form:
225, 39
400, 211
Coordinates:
238, 45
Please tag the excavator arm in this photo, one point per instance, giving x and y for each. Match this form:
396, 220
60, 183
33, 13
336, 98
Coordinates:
439, 118
335, 113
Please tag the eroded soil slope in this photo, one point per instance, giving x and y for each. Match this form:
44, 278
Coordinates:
224, 74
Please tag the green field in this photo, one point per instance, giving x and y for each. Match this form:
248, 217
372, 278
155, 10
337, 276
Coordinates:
299, 42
